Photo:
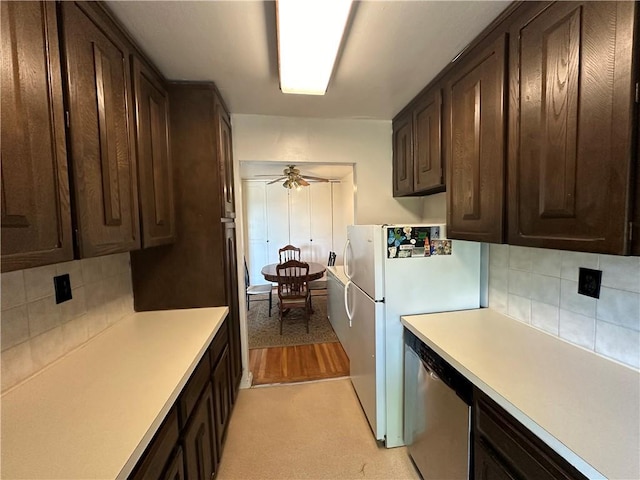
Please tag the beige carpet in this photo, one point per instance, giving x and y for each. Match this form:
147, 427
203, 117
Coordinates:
306, 431
264, 331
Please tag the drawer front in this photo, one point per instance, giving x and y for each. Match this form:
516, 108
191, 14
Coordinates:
219, 343
194, 388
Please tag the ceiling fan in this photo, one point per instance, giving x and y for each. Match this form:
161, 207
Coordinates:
293, 179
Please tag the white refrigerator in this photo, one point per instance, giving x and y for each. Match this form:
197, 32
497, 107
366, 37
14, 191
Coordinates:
396, 270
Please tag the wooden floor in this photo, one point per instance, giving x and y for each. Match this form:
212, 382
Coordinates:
298, 363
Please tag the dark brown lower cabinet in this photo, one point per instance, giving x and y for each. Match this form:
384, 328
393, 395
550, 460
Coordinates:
201, 460
222, 399
189, 443
175, 470
505, 449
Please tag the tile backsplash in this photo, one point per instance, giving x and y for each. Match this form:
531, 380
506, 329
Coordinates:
540, 287
35, 331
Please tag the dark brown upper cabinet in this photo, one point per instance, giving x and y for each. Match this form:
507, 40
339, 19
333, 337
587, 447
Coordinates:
570, 140
155, 180
36, 216
100, 132
225, 159
475, 153
403, 155
635, 226
417, 147
428, 171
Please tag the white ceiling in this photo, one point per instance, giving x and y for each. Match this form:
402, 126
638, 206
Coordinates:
391, 51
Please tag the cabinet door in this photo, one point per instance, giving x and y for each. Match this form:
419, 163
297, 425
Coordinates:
570, 126
475, 145
231, 290
199, 448
321, 221
221, 399
154, 157
427, 145
225, 158
100, 133
635, 226
175, 469
402, 156
36, 217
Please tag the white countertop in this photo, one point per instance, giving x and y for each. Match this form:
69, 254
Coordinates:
585, 407
338, 272
93, 413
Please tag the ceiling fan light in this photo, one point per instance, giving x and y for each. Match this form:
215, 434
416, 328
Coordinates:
309, 37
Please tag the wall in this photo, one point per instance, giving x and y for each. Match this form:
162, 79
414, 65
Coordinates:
434, 208
36, 331
343, 214
275, 216
364, 143
539, 287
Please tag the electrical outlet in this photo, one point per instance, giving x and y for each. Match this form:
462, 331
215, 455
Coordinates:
589, 282
62, 284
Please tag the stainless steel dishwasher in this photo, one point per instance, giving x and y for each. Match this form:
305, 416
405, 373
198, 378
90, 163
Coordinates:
437, 413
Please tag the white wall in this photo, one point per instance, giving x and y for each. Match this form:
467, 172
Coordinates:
343, 212
434, 208
364, 143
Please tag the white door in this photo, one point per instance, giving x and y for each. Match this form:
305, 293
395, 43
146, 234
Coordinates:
299, 222
278, 220
257, 254
366, 356
321, 207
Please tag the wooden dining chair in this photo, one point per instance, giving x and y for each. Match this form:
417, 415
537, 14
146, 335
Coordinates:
289, 252
293, 290
320, 285
256, 289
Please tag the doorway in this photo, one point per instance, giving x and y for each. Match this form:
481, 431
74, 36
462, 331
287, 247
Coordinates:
313, 218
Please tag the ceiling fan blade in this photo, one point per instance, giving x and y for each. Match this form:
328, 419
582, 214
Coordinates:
302, 182
269, 176
317, 179
276, 180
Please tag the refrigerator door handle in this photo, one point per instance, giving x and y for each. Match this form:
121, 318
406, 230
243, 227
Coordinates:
346, 302
345, 259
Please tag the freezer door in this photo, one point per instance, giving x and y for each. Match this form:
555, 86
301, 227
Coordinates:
364, 259
366, 356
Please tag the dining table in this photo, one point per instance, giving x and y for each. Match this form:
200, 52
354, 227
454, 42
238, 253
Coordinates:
316, 271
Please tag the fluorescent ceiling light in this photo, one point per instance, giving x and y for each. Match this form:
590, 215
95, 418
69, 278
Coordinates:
309, 36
